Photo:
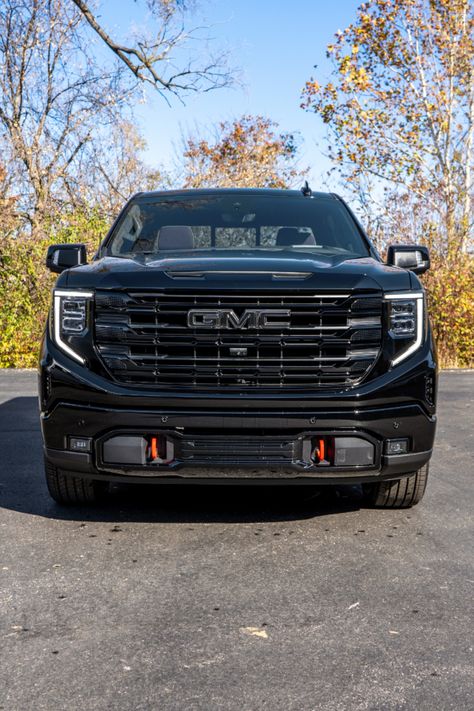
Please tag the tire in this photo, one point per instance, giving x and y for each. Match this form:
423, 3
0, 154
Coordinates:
70, 490
399, 493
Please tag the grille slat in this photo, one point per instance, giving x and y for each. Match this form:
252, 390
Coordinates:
327, 340
241, 448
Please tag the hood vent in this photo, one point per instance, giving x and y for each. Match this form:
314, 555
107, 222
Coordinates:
202, 274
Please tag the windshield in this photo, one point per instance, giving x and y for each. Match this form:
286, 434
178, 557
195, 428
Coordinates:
154, 227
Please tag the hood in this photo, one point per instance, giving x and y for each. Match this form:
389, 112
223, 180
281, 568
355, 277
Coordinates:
215, 269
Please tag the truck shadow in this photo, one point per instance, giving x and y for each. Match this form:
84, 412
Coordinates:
23, 489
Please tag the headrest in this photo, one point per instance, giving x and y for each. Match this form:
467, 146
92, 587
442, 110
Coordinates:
175, 237
289, 236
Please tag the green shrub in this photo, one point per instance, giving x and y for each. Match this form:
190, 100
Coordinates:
450, 288
25, 284
25, 288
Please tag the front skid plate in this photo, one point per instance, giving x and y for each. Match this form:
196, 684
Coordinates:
217, 473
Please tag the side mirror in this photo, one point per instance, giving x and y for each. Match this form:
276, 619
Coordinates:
64, 256
414, 257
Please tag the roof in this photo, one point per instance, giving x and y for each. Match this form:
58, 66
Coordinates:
230, 191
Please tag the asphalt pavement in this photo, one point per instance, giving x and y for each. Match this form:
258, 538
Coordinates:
235, 599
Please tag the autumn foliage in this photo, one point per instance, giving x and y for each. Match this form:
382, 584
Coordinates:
399, 109
451, 305
25, 283
248, 152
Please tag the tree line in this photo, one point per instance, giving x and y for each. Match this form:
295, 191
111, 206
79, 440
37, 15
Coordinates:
398, 108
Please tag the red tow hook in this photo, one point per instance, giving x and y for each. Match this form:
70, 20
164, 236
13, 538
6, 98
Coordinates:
323, 452
156, 448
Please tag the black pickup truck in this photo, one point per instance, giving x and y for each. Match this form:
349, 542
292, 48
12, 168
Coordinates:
238, 336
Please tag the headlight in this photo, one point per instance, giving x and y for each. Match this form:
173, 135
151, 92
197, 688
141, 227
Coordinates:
70, 319
405, 323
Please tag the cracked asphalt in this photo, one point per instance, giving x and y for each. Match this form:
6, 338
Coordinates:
240, 600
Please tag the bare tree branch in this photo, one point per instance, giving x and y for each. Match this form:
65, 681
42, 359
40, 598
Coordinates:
145, 58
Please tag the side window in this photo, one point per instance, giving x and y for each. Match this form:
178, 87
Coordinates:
235, 237
339, 230
268, 235
129, 231
202, 236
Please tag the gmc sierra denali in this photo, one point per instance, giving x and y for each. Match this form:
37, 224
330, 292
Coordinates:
238, 336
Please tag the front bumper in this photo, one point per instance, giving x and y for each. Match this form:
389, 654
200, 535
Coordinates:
78, 403
373, 424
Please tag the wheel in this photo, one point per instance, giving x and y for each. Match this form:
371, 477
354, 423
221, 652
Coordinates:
398, 493
70, 490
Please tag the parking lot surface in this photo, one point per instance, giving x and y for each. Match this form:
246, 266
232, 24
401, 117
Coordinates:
235, 599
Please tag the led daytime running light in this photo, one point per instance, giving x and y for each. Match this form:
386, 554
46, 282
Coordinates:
410, 296
60, 294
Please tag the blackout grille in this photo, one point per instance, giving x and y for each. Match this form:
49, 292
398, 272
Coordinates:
327, 340
239, 449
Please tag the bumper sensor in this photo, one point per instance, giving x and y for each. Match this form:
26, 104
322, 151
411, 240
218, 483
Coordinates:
80, 444
397, 446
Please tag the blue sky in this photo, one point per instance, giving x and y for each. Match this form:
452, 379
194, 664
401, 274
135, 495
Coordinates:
275, 45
